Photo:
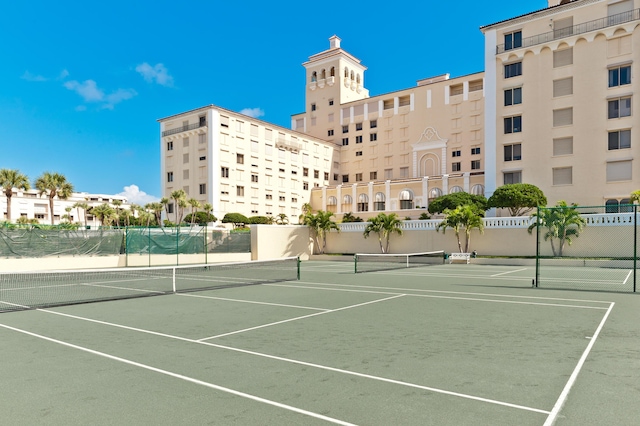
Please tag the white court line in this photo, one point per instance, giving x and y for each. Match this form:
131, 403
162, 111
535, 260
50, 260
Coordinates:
627, 279
250, 301
306, 364
474, 299
509, 272
373, 289
182, 377
567, 388
299, 318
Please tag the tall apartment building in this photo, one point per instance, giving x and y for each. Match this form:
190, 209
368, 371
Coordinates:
397, 150
241, 164
554, 107
561, 108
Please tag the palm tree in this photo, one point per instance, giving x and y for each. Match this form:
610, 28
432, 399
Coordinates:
85, 208
306, 208
562, 222
384, 225
54, 184
635, 196
282, 219
165, 202
156, 208
117, 204
104, 213
467, 217
178, 196
10, 179
195, 205
320, 224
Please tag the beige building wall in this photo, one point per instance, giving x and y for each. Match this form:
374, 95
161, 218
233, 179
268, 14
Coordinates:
568, 109
241, 164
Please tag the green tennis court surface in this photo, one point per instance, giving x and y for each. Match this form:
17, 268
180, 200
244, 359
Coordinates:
441, 345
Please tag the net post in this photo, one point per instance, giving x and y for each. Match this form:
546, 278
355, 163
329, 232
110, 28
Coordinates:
635, 244
298, 265
537, 282
126, 246
355, 263
173, 279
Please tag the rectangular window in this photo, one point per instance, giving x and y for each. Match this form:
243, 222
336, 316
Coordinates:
240, 191
562, 58
373, 124
620, 139
388, 174
330, 102
203, 188
475, 165
456, 153
358, 177
455, 167
345, 141
345, 129
373, 175
305, 171
513, 152
619, 171
169, 208
330, 132
335, 176
345, 178
185, 142
513, 124
202, 138
224, 172
326, 175
305, 186
563, 87
170, 177
619, 108
358, 153
404, 172
254, 178
203, 158
619, 76
185, 158
185, 174
513, 96
563, 146
240, 158
513, 40
316, 174
282, 198
373, 137
170, 146
359, 139
563, 176
562, 117
512, 177
358, 126
269, 196
475, 151
513, 70
313, 107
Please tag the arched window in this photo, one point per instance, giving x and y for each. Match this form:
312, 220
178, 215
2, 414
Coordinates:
611, 206
332, 73
347, 201
358, 78
323, 74
332, 202
314, 77
625, 206
346, 72
477, 189
351, 75
406, 199
363, 203
378, 203
435, 193
455, 189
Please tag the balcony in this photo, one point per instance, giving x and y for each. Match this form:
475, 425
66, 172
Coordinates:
288, 145
184, 128
598, 24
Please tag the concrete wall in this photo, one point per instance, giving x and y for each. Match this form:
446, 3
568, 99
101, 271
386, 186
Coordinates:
274, 242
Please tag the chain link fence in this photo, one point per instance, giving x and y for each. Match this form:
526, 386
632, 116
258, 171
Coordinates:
587, 248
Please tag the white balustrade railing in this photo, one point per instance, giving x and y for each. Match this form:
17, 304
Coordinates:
607, 219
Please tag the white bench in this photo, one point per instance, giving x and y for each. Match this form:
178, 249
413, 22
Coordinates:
459, 258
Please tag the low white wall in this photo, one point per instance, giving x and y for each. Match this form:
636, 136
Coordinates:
278, 241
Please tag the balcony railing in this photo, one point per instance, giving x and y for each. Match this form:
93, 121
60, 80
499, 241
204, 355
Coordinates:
184, 128
598, 24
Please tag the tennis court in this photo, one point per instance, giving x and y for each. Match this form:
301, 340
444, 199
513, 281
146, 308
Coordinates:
440, 344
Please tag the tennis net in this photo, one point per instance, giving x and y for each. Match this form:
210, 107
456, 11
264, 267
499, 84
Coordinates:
31, 290
364, 262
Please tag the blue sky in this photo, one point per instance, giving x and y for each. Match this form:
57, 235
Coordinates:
83, 83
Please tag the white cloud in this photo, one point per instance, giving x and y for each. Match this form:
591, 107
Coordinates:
63, 74
90, 92
33, 77
158, 73
253, 112
135, 196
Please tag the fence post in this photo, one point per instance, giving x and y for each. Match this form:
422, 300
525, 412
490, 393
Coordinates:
206, 236
537, 282
126, 246
635, 244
